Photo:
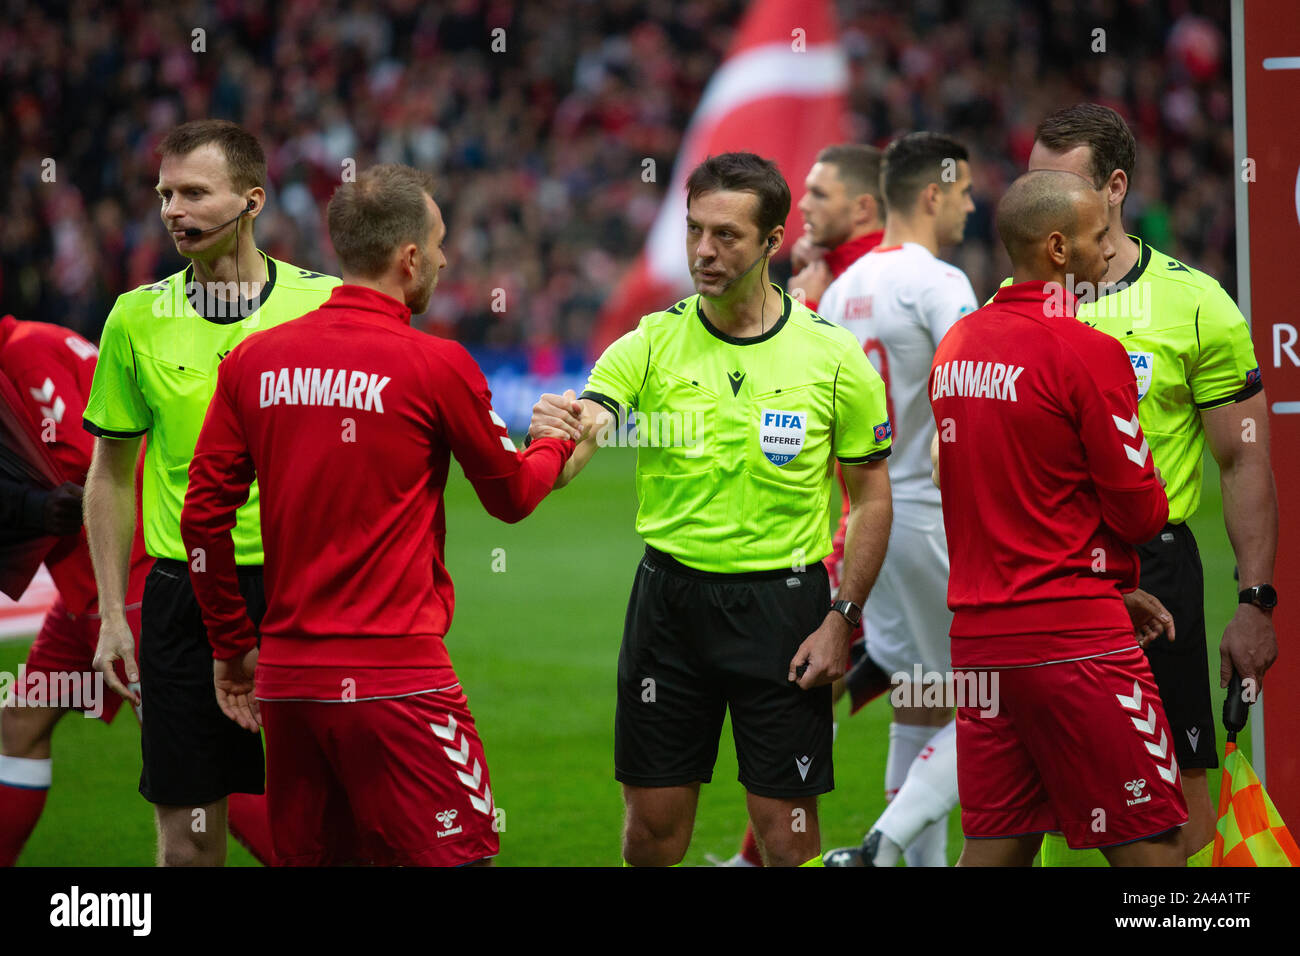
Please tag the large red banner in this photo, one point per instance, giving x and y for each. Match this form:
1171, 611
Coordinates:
1267, 88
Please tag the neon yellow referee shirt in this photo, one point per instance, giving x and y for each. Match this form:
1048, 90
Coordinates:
736, 438
156, 374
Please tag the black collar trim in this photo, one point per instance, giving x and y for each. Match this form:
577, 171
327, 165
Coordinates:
1139, 267
218, 312
753, 339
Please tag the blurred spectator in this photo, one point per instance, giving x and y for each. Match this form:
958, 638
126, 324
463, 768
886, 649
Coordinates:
538, 147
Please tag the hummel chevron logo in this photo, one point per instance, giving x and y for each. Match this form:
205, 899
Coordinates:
1129, 428
45, 392
1147, 726
1160, 751
1138, 455
1168, 774
737, 379
802, 764
482, 804
448, 732
460, 756
1134, 702
472, 780
1193, 737
49, 409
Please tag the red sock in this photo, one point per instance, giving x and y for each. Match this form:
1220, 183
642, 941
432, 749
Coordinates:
749, 848
20, 808
250, 825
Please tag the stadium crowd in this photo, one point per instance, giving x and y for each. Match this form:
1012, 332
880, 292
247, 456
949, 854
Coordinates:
542, 191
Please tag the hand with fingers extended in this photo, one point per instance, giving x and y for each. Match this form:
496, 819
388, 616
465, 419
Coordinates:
117, 643
1150, 618
558, 416
233, 679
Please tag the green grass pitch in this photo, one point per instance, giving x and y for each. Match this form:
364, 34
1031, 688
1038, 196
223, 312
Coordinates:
535, 644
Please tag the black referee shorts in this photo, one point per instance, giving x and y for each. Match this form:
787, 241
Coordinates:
696, 643
193, 753
1171, 570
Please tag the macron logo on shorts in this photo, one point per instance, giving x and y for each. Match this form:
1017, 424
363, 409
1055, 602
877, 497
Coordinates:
325, 387
802, 764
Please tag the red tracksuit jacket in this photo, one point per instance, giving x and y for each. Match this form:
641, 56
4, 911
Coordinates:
348, 418
51, 368
1047, 482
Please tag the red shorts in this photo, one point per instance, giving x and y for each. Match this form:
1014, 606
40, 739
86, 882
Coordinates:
1082, 747
66, 645
391, 782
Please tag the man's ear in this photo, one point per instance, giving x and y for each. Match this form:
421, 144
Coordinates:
932, 195
1058, 248
1116, 188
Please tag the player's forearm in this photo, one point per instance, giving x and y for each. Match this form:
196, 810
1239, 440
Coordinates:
513, 497
578, 460
109, 505
1250, 515
865, 540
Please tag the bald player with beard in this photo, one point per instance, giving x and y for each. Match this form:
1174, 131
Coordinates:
1048, 487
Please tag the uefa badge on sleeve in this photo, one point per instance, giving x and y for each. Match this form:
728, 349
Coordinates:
883, 430
781, 435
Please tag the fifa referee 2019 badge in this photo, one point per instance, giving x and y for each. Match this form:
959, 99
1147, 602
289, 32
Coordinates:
781, 434
1143, 366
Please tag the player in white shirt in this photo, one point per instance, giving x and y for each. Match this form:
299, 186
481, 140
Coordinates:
900, 300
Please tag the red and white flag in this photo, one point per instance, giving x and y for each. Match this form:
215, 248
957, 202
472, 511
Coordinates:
780, 93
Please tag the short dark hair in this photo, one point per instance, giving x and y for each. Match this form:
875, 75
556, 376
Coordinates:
1100, 128
744, 172
912, 162
383, 209
858, 167
245, 159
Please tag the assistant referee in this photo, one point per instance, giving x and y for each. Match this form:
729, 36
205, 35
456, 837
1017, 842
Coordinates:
157, 370
743, 398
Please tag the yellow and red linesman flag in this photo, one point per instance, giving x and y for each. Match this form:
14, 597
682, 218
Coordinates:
1250, 831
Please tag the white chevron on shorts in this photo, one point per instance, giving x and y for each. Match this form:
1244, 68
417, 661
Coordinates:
474, 779
482, 804
1147, 727
448, 732
1134, 702
459, 754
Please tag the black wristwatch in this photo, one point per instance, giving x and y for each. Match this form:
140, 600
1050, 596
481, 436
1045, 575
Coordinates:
1262, 596
852, 612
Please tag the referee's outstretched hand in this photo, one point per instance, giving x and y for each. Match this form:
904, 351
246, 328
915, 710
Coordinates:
233, 679
822, 656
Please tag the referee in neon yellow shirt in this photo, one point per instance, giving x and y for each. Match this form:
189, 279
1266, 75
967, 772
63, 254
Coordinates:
743, 400
157, 370
1198, 383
